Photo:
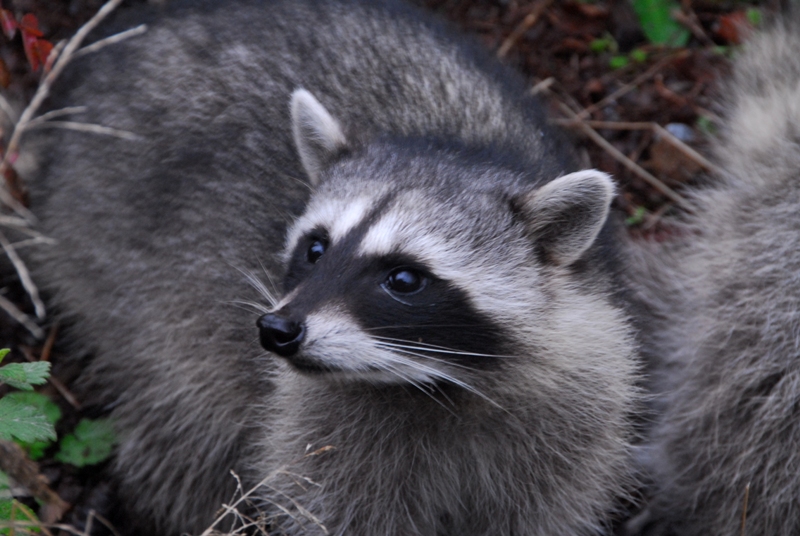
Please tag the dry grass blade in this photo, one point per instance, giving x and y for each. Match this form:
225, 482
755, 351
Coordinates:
744, 508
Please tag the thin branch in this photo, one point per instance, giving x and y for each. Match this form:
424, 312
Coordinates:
622, 159
7, 109
630, 86
110, 40
24, 276
644, 125
52, 380
526, 24
42, 92
56, 113
23, 319
744, 507
87, 127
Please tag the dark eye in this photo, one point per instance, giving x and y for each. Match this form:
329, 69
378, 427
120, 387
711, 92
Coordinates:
315, 251
405, 281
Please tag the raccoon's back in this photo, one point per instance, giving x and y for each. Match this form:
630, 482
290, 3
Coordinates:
154, 225
730, 398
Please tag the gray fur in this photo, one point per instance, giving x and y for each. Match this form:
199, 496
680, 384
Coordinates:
729, 299
433, 144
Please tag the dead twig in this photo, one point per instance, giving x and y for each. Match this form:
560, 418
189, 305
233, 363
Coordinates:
52, 380
630, 86
56, 113
655, 127
87, 127
25, 472
48, 344
744, 507
622, 159
526, 24
58, 64
24, 276
23, 319
110, 40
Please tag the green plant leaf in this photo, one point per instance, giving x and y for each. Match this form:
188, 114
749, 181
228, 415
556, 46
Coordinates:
638, 55
637, 217
90, 443
44, 406
23, 422
657, 22
25, 375
24, 519
618, 62
3, 353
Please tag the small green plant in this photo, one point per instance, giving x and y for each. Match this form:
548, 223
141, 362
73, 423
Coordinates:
754, 16
28, 418
603, 44
638, 55
19, 420
658, 23
637, 217
618, 62
90, 443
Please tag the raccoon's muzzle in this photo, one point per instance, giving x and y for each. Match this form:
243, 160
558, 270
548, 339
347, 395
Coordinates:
280, 335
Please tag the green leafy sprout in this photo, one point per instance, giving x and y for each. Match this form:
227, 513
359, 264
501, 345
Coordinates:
29, 418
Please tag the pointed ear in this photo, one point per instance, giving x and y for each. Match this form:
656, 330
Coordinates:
317, 134
564, 216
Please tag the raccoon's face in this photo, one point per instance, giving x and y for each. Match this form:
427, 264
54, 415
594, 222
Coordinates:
415, 269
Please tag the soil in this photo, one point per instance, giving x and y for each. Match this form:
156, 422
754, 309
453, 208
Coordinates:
569, 50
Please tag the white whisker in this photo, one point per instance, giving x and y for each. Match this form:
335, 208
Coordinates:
436, 374
430, 347
261, 288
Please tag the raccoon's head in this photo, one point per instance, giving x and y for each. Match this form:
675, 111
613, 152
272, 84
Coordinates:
418, 264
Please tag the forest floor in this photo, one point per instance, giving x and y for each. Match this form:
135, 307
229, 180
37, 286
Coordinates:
642, 112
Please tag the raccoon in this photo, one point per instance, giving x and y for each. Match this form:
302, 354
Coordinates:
449, 346
724, 454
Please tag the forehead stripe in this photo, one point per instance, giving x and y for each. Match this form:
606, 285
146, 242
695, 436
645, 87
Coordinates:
348, 219
381, 238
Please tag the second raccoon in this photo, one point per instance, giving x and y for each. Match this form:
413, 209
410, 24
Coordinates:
450, 351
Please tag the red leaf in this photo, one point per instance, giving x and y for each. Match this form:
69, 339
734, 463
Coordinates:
30, 24
8, 23
31, 50
5, 76
734, 28
43, 49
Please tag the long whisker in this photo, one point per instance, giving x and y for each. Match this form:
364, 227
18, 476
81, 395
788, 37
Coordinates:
421, 387
407, 351
434, 373
431, 347
259, 285
251, 306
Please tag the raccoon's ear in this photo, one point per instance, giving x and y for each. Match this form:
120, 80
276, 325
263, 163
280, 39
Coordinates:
317, 135
564, 216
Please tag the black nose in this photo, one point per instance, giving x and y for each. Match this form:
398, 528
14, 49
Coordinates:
280, 335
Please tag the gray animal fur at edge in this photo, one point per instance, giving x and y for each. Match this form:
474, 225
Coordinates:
729, 299
426, 154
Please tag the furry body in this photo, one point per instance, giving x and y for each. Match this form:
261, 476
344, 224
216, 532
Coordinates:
493, 401
730, 380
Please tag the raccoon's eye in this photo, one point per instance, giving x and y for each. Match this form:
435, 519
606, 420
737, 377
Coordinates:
405, 281
315, 251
